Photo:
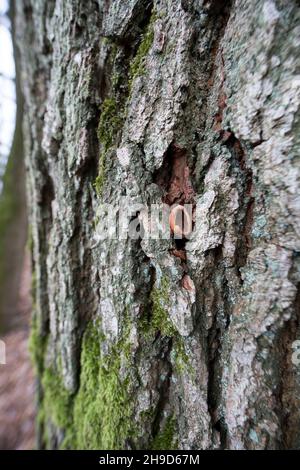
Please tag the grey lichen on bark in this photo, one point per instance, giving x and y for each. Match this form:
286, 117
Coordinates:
191, 343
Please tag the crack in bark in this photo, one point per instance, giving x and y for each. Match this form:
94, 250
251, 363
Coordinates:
247, 200
215, 333
164, 390
245, 186
218, 16
174, 179
289, 381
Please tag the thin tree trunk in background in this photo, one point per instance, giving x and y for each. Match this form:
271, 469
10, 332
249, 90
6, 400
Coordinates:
17, 385
13, 220
160, 344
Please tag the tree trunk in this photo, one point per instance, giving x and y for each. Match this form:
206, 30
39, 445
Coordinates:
164, 343
13, 221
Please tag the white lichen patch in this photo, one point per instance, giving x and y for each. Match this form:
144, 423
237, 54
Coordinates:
123, 156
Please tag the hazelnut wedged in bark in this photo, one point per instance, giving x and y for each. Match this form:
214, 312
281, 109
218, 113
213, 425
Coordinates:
180, 221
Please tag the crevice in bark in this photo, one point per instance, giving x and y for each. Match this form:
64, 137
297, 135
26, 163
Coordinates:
47, 196
116, 90
175, 180
289, 380
220, 322
140, 17
245, 188
244, 176
174, 177
161, 366
128, 44
211, 298
164, 389
80, 252
218, 16
212, 27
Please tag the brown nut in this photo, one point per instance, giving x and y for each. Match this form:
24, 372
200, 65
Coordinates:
183, 229
187, 283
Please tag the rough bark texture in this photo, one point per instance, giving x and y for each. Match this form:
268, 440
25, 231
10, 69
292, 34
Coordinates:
135, 346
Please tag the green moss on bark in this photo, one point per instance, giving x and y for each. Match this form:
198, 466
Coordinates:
99, 182
102, 410
37, 345
109, 124
57, 407
137, 66
57, 401
114, 106
160, 321
160, 303
181, 359
165, 439
99, 416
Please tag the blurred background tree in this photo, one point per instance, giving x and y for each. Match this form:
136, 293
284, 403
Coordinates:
13, 225
16, 376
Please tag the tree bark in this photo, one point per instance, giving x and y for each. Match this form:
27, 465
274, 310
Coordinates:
158, 343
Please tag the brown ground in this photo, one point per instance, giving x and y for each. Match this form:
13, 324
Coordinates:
17, 397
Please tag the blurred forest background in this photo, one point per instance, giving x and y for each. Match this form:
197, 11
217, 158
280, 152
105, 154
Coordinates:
16, 377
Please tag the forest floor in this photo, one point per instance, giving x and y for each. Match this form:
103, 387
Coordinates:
17, 386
